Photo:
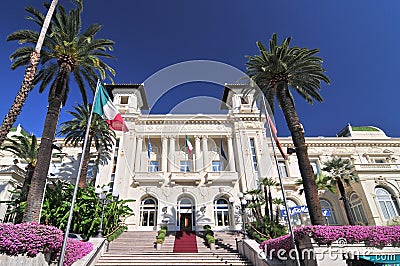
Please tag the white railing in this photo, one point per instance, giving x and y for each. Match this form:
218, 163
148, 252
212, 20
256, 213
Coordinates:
377, 166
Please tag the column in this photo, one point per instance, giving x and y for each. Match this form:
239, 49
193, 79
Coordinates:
164, 154
206, 162
198, 165
171, 154
139, 148
132, 139
231, 156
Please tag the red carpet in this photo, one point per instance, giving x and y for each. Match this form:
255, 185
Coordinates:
185, 242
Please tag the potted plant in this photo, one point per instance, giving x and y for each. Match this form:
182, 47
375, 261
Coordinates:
160, 237
209, 235
159, 243
211, 241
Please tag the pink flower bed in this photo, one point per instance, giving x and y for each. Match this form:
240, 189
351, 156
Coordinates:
373, 236
32, 238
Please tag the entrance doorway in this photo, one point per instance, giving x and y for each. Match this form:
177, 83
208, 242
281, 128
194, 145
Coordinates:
185, 213
186, 221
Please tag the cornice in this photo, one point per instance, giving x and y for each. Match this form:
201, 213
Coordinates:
338, 142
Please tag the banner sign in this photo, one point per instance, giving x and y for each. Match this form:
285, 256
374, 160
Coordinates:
302, 209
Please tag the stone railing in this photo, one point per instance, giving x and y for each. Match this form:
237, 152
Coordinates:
12, 168
339, 253
377, 167
249, 248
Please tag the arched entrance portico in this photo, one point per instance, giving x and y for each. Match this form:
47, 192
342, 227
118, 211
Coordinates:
185, 213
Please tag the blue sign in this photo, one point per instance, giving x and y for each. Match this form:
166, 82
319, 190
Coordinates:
326, 212
303, 209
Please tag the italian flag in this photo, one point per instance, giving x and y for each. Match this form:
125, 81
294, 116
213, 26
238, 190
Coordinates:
189, 145
106, 109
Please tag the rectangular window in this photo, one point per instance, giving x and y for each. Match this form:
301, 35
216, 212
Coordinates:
216, 166
124, 100
314, 165
380, 161
184, 166
152, 166
283, 169
253, 154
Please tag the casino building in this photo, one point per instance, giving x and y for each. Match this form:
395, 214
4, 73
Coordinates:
186, 170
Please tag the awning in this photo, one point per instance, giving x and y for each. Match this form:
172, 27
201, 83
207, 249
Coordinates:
383, 259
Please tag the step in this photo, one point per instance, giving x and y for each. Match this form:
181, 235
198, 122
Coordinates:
138, 248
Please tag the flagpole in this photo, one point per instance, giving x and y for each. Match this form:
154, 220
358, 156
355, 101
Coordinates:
71, 211
281, 184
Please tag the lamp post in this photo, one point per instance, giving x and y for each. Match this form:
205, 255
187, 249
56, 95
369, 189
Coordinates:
244, 199
102, 194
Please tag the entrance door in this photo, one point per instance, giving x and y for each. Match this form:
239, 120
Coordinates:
185, 215
186, 221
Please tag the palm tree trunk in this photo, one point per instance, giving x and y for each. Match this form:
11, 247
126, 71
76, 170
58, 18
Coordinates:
26, 86
306, 171
85, 165
270, 204
28, 179
277, 214
96, 168
345, 202
36, 191
266, 210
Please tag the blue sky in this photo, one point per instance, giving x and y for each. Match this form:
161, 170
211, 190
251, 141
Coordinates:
357, 40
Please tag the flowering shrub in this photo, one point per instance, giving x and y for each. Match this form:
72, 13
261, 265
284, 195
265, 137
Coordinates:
32, 238
372, 236
75, 250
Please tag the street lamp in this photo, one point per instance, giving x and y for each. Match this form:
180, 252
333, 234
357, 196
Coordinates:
243, 204
102, 194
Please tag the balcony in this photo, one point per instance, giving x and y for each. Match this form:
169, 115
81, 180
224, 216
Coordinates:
147, 178
221, 177
377, 167
186, 178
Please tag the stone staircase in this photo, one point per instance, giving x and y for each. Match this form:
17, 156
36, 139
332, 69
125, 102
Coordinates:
138, 248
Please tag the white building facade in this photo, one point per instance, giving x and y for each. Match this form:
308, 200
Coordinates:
230, 153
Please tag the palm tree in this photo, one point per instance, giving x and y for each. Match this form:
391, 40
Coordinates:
30, 72
277, 202
99, 132
25, 148
341, 172
323, 183
65, 50
255, 203
267, 183
274, 71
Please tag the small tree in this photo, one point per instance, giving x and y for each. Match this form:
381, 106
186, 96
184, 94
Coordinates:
99, 134
323, 183
267, 184
278, 202
255, 204
87, 211
24, 147
341, 172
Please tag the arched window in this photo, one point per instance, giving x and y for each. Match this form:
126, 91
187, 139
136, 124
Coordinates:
357, 209
148, 212
387, 203
328, 206
222, 212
